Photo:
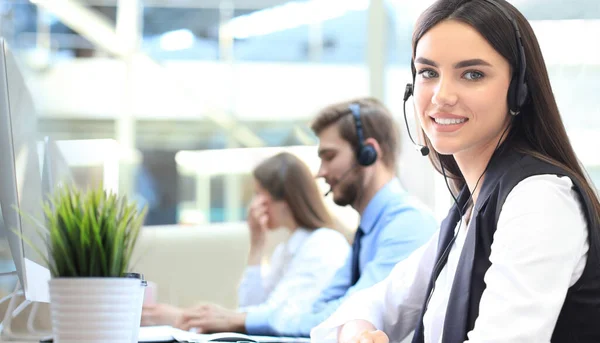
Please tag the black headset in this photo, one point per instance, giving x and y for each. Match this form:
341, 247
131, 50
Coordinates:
517, 95
518, 90
366, 154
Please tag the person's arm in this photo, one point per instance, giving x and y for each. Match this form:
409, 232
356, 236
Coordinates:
338, 286
392, 305
253, 288
402, 234
309, 273
538, 252
256, 283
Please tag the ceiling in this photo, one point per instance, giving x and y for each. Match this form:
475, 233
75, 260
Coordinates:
344, 37
202, 16
240, 4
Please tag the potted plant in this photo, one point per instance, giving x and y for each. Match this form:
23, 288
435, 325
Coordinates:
90, 238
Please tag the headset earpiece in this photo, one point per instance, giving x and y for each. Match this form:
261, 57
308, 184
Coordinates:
366, 154
518, 90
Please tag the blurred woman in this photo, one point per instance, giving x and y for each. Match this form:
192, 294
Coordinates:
285, 196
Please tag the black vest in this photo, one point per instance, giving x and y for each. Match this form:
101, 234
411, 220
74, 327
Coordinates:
579, 319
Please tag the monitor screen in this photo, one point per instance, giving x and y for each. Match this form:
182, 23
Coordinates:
20, 178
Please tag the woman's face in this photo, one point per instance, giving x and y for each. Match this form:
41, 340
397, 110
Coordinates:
275, 209
460, 89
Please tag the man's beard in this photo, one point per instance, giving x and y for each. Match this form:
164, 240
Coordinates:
349, 190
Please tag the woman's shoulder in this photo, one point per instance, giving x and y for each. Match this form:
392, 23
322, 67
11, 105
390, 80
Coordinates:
325, 245
326, 235
546, 193
544, 185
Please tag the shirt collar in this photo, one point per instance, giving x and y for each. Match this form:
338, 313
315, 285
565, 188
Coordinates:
377, 205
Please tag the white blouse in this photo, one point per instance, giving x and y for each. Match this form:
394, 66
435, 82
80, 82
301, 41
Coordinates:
539, 250
300, 269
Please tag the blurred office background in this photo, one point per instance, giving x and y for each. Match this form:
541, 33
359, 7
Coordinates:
174, 101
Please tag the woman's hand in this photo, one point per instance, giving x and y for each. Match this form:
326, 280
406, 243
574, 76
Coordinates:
160, 314
258, 224
210, 318
376, 336
361, 331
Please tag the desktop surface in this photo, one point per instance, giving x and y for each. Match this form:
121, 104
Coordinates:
167, 334
170, 334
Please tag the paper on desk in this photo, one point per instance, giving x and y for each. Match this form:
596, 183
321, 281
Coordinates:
203, 338
165, 333
37, 278
267, 339
155, 334
168, 333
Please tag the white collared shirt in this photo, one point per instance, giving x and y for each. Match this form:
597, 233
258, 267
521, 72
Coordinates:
300, 268
539, 250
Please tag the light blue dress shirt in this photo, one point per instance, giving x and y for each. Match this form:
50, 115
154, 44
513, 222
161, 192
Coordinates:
394, 224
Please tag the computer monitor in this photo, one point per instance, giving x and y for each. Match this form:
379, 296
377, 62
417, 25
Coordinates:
20, 181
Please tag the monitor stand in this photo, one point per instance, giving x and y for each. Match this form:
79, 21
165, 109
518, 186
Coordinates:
32, 334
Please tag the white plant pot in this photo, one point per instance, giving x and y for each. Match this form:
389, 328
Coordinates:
96, 310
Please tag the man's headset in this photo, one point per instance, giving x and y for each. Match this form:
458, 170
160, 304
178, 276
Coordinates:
518, 90
366, 154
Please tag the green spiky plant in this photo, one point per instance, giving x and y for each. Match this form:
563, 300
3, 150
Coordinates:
90, 234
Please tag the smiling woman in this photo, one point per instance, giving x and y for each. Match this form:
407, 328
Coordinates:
517, 258
461, 100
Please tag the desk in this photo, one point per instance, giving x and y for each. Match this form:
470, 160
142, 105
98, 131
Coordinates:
164, 334
2, 341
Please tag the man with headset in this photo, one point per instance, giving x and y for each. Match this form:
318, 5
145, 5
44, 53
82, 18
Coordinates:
358, 148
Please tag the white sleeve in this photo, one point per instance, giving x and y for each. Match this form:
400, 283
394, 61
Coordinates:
539, 251
251, 290
309, 272
256, 281
392, 305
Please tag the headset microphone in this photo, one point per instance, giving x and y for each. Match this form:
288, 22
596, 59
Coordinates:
341, 178
424, 150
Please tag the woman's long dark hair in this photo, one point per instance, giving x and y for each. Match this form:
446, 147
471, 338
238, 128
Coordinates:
538, 131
